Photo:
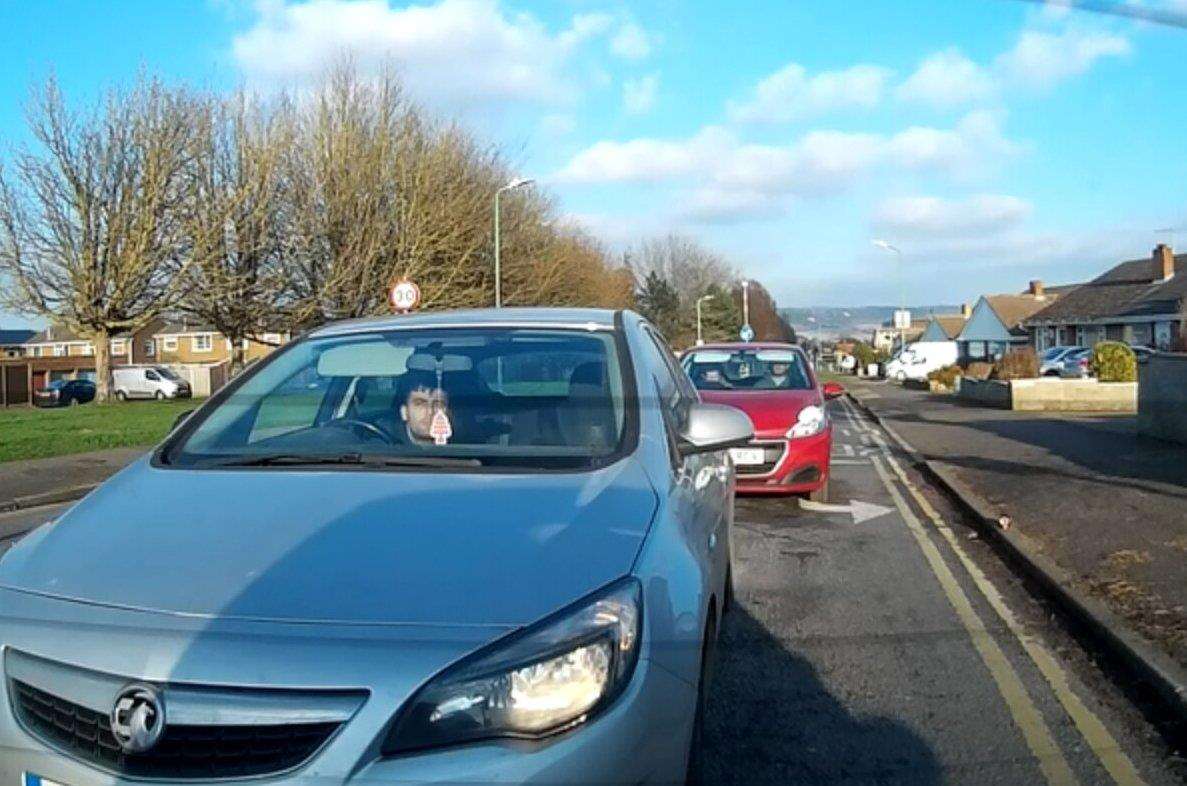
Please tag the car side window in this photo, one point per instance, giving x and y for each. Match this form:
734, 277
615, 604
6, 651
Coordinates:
151, 375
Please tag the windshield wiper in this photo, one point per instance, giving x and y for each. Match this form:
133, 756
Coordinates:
355, 459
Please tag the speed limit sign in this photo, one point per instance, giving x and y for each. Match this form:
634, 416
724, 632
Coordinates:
405, 296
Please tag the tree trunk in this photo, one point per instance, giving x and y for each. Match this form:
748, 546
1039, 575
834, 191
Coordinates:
102, 342
237, 355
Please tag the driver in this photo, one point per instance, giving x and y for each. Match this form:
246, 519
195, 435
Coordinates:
780, 374
422, 400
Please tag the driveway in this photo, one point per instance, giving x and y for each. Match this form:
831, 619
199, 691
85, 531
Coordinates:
1104, 503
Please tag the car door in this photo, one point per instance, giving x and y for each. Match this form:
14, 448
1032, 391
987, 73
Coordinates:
701, 492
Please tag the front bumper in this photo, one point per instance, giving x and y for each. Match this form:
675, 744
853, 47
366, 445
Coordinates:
802, 468
642, 738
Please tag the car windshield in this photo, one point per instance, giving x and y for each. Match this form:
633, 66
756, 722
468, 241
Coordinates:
747, 369
547, 399
166, 373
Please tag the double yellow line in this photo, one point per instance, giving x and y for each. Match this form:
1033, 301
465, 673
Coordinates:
1029, 720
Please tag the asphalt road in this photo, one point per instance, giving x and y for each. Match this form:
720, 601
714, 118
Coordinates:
872, 652
1100, 500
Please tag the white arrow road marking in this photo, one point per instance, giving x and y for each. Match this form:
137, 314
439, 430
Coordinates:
861, 511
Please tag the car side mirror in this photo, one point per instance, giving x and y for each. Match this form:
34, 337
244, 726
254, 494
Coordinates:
713, 427
833, 390
182, 418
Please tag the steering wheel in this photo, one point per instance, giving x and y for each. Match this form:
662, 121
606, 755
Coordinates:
370, 428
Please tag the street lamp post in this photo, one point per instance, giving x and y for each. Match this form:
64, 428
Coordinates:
902, 292
745, 302
700, 301
519, 182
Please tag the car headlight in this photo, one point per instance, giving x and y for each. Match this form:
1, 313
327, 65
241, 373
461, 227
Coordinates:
811, 421
539, 681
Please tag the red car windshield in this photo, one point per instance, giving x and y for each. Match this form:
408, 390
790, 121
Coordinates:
747, 369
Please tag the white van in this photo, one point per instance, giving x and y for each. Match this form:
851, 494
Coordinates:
920, 359
149, 382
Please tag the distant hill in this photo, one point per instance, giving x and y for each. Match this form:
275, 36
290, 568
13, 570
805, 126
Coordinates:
858, 321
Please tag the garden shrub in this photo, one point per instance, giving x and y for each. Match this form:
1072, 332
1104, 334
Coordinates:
1020, 363
1113, 361
945, 376
978, 370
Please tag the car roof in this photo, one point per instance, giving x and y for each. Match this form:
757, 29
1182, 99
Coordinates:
740, 345
587, 318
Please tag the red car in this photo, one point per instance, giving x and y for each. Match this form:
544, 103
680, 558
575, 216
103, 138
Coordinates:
775, 385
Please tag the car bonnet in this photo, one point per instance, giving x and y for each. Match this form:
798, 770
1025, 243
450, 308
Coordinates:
341, 546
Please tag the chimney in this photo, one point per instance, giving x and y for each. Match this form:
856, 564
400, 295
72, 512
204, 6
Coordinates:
1164, 262
1036, 289
966, 310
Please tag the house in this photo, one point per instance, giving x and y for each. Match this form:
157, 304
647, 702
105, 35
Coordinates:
1139, 301
184, 342
945, 327
125, 347
995, 324
12, 342
887, 337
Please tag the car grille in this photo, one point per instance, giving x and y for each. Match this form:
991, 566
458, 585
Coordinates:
772, 453
183, 752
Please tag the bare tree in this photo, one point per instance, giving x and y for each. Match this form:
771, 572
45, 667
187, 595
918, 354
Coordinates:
233, 219
89, 234
671, 273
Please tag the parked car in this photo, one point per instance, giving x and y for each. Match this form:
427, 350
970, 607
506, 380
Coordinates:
775, 385
156, 382
1143, 353
1051, 361
65, 393
488, 545
1076, 364
920, 359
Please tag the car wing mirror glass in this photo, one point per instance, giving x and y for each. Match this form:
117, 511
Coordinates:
713, 427
833, 390
182, 418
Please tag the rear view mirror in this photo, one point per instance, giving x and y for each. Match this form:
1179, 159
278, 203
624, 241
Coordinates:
833, 390
423, 361
713, 427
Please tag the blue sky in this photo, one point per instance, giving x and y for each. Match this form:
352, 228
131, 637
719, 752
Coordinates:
993, 141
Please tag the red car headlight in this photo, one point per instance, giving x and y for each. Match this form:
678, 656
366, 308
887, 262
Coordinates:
811, 421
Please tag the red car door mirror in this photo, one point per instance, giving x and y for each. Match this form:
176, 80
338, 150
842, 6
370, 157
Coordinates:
833, 390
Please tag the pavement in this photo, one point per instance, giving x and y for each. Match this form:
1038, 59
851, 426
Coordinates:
25, 484
878, 642
1102, 502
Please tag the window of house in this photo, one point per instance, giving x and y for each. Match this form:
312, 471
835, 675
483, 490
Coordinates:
118, 346
203, 342
170, 344
59, 350
150, 347
89, 349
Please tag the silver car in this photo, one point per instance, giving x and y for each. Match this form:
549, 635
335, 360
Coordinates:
471, 547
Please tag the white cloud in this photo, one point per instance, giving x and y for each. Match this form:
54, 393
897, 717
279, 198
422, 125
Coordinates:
947, 79
792, 94
1041, 60
638, 95
455, 52
933, 217
817, 161
631, 42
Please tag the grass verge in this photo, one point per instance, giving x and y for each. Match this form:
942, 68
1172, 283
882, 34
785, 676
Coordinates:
28, 433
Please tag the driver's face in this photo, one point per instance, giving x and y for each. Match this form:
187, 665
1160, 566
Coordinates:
419, 408
779, 369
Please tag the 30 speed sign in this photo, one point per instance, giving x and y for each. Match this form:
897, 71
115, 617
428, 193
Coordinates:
405, 296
